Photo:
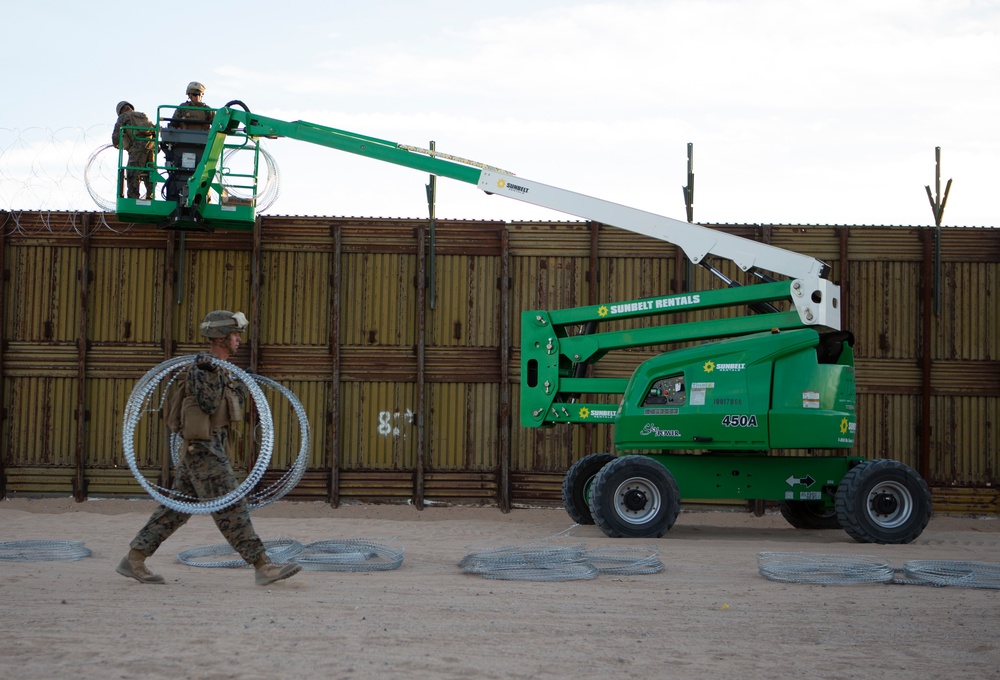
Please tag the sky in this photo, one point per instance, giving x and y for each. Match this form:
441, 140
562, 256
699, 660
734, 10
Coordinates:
799, 112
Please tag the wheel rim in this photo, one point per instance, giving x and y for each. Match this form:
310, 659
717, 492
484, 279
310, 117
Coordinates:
637, 500
889, 504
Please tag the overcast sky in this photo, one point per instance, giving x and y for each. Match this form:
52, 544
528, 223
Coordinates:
800, 112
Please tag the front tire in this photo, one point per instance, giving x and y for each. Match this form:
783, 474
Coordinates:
577, 485
883, 501
634, 497
809, 514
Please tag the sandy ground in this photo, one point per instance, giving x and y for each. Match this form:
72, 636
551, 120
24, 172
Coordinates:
709, 614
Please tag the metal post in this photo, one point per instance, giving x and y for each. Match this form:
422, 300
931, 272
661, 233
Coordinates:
79, 480
333, 394
4, 216
506, 502
431, 188
937, 207
418, 481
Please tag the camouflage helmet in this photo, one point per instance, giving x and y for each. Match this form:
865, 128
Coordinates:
121, 105
220, 323
194, 87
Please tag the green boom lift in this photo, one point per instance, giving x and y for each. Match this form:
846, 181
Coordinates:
708, 420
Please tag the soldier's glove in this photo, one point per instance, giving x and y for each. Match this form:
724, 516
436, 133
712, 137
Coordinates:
204, 362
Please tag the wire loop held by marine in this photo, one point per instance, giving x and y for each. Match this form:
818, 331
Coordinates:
136, 407
42, 551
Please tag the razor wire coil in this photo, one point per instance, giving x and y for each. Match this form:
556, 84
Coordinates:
43, 551
136, 407
350, 554
854, 569
788, 567
287, 481
546, 560
954, 573
278, 550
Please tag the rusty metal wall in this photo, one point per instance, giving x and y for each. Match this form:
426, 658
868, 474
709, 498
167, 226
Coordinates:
407, 405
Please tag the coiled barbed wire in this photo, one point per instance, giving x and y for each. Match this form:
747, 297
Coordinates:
350, 554
279, 550
853, 569
293, 475
545, 560
797, 567
42, 551
954, 573
626, 561
135, 408
530, 563
344, 554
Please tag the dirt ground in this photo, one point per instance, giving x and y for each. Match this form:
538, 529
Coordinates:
708, 614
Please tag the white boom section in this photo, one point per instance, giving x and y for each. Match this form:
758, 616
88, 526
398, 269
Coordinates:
816, 299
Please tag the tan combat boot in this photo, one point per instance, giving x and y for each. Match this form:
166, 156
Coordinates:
268, 572
133, 565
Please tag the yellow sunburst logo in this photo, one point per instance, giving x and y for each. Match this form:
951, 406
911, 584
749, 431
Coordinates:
584, 412
709, 366
501, 183
602, 310
843, 426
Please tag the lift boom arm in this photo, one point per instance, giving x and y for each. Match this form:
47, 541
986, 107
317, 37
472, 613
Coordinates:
815, 298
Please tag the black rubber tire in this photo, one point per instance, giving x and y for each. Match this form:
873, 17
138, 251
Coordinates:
809, 514
577, 483
883, 501
634, 497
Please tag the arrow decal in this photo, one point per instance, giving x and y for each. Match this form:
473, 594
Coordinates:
806, 481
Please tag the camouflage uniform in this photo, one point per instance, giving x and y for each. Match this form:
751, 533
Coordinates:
201, 410
199, 118
140, 151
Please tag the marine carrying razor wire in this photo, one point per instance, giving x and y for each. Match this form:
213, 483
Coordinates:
144, 399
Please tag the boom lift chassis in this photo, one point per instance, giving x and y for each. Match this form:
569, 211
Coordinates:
737, 410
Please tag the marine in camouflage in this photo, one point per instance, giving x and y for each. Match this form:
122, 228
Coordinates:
140, 147
204, 470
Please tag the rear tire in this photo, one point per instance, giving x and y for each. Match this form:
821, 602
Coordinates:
634, 497
577, 485
809, 514
883, 501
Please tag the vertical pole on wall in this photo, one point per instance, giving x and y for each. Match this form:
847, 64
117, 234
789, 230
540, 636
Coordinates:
79, 479
3, 341
927, 308
937, 207
256, 279
685, 273
333, 393
421, 283
431, 203
505, 490
169, 284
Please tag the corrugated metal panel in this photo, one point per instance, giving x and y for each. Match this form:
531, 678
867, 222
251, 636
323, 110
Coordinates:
967, 325
965, 449
467, 298
43, 294
462, 426
211, 279
377, 425
41, 423
887, 427
885, 304
295, 298
379, 298
125, 295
